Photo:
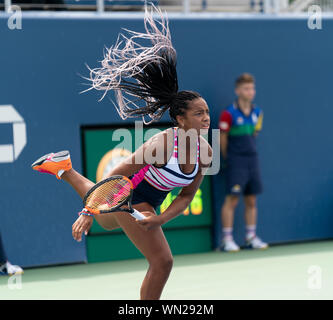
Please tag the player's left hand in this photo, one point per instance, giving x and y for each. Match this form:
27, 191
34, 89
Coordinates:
150, 222
81, 225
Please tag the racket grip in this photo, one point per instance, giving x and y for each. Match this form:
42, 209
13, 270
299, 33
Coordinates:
137, 215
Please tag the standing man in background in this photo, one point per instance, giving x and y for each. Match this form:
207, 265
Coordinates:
239, 125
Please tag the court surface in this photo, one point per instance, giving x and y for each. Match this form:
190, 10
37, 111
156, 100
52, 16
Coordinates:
294, 271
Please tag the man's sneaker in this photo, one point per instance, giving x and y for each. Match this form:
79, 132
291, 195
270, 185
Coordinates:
8, 269
256, 243
229, 246
53, 163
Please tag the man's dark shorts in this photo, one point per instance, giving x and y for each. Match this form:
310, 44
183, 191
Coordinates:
243, 175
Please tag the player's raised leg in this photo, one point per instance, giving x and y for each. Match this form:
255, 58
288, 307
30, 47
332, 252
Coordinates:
53, 163
60, 165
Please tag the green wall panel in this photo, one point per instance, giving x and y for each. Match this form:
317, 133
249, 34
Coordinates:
116, 246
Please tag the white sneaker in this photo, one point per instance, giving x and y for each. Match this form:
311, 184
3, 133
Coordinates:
229, 246
9, 269
256, 243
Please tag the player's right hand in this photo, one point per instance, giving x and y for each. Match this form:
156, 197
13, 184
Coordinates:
81, 225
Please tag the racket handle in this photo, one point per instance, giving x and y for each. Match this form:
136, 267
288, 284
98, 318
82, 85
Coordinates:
137, 215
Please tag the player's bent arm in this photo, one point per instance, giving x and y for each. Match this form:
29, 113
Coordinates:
187, 194
153, 151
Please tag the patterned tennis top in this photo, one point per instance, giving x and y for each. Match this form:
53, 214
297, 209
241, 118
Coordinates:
170, 176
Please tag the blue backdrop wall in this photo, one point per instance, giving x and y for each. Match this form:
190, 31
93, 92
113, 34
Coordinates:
40, 66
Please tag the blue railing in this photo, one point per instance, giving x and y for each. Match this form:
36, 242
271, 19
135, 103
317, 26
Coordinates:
110, 2
75, 4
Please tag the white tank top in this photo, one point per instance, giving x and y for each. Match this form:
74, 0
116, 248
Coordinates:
170, 175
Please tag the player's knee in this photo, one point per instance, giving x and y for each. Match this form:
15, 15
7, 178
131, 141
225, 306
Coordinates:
163, 263
107, 223
167, 263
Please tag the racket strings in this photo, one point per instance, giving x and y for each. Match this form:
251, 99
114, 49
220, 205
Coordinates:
109, 195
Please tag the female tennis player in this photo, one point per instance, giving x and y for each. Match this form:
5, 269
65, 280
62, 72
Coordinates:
149, 75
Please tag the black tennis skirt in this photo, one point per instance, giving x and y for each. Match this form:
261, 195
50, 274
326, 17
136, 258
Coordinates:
144, 192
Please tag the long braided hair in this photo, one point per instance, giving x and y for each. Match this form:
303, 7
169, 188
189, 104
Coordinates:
143, 77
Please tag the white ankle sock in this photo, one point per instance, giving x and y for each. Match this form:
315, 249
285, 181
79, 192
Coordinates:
250, 231
60, 172
227, 234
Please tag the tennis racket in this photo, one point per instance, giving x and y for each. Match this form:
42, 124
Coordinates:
111, 194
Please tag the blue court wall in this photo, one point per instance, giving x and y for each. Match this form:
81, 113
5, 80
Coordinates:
40, 76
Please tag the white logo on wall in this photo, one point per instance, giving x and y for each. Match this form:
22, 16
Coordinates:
10, 152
